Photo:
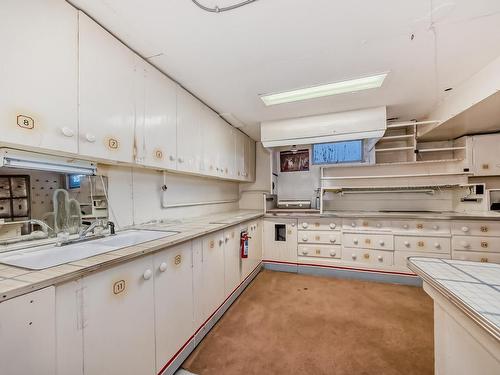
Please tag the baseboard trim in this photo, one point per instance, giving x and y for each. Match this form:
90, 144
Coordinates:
345, 272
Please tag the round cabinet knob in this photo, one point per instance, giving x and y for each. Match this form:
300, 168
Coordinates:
221, 242
67, 132
304, 238
353, 224
407, 244
379, 225
465, 229
333, 240
293, 224
333, 253
355, 241
180, 160
380, 258
406, 226
354, 256
147, 274
305, 225
333, 225
435, 227
437, 245
381, 243
226, 239
90, 137
163, 267
305, 252
464, 244
171, 157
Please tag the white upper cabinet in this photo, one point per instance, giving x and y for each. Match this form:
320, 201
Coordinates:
189, 132
156, 117
211, 142
39, 74
249, 172
228, 147
107, 94
239, 155
486, 155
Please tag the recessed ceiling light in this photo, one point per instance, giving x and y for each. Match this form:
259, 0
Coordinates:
353, 85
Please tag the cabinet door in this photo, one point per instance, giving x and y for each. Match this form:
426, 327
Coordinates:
189, 137
280, 240
239, 151
249, 172
232, 259
107, 94
227, 147
156, 133
173, 301
118, 332
27, 334
39, 74
212, 143
486, 155
213, 291
254, 249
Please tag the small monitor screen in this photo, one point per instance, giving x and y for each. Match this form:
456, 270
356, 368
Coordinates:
337, 152
74, 181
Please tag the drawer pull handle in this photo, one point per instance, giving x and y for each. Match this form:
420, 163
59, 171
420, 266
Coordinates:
484, 244
305, 252
381, 243
353, 224
163, 267
465, 229
333, 240
435, 227
147, 274
332, 225
333, 253
406, 226
437, 245
380, 258
379, 225
464, 244
67, 132
304, 225
354, 256
407, 244
355, 241
484, 229
293, 224
304, 239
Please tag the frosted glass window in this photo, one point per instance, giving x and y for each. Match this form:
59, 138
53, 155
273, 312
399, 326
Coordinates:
338, 152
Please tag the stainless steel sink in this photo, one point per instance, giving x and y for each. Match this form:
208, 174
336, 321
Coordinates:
41, 257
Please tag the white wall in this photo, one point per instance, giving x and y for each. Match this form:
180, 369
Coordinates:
135, 195
251, 193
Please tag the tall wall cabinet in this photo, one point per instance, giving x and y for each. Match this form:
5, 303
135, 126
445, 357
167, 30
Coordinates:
76, 89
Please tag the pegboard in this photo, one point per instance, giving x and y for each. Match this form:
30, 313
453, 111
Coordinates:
43, 185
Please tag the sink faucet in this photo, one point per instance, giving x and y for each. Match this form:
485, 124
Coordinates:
45, 227
91, 227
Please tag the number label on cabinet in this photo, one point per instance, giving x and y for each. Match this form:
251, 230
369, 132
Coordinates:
178, 259
113, 143
158, 154
119, 287
25, 122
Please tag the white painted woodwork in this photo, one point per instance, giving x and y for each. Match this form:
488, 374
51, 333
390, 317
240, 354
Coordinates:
476, 228
119, 329
422, 244
249, 170
189, 132
173, 297
232, 259
476, 256
197, 250
107, 94
212, 289
273, 249
156, 109
368, 256
400, 258
239, 166
320, 224
368, 241
211, 142
486, 155
319, 237
475, 243
319, 251
254, 248
39, 75
364, 224
69, 328
28, 334
427, 227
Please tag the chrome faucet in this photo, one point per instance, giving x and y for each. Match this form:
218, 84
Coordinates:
45, 227
91, 227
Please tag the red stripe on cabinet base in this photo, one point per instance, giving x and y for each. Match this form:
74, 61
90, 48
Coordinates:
205, 322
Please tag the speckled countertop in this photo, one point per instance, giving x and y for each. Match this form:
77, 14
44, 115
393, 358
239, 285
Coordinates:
15, 281
424, 215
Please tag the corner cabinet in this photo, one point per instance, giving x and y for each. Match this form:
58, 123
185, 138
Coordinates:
107, 94
39, 75
280, 240
486, 155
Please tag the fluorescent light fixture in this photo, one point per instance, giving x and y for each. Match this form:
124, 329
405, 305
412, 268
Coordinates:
353, 85
39, 162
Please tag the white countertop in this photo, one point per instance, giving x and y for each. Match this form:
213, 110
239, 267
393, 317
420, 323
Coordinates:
472, 286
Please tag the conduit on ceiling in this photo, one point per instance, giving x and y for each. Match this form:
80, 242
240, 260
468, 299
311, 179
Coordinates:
217, 9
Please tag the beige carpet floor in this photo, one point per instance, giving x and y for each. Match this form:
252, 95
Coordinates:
286, 323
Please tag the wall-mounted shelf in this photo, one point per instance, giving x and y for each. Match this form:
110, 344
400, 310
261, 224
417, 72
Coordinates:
394, 149
440, 149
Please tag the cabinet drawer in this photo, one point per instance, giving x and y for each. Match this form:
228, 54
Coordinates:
368, 256
321, 251
368, 241
366, 224
471, 243
479, 228
400, 257
419, 226
324, 237
320, 224
423, 244
476, 256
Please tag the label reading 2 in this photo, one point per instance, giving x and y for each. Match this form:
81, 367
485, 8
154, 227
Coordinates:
113, 144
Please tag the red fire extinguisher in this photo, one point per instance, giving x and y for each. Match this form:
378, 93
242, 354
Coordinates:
244, 244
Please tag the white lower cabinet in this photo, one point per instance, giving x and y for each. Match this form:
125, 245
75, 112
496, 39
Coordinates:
173, 294
119, 321
27, 334
254, 248
280, 240
212, 288
368, 256
232, 259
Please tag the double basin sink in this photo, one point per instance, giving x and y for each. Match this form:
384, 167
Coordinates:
41, 257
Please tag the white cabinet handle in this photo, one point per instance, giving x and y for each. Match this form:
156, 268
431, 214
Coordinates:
147, 274
381, 243
293, 224
67, 132
304, 238
163, 267
226, 239
90, 137
406, 226
407, 244
305, 252
304, 225
435, 227
333, 225
172, 157
379, 225
180, 160
333, 253
465, 229
437, 245
353, 224
380, 258
464, 244
221, 241
354, 256
355, 241
333, 240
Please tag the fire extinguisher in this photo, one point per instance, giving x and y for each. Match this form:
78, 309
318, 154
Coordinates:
244, 244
